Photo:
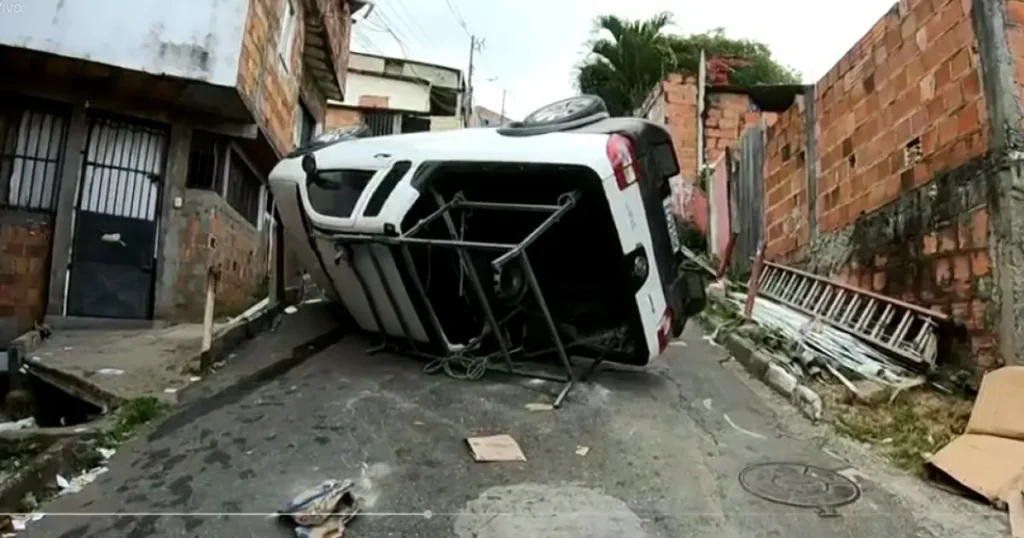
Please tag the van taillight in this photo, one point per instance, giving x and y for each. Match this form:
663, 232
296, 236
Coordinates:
623, 160
665, 330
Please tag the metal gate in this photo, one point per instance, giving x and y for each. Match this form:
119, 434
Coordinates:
32, 145
746, 187
116, 214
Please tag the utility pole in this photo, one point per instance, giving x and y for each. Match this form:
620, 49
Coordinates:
475, 45
502, 120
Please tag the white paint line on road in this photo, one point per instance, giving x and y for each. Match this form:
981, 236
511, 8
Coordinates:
741, 430
707, 403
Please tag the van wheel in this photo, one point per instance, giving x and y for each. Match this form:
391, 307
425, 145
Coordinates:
566, 110
561, 115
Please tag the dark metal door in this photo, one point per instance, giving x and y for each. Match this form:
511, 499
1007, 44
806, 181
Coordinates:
745, 192
114, 248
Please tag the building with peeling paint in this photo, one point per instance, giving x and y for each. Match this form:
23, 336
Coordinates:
135, 141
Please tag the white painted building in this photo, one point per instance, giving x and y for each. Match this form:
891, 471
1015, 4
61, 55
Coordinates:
394, 95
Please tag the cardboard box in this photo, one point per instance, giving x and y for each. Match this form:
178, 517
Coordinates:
989, 457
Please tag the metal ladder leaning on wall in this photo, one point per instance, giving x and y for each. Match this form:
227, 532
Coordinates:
902, 328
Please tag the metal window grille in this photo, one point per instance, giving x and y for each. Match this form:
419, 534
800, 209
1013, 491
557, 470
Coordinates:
243, 189
124, 163
206, 162
32, 143
380, 123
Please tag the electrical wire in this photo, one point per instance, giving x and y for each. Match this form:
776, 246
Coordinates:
458, 17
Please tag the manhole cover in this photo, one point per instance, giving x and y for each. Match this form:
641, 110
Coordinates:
796, 484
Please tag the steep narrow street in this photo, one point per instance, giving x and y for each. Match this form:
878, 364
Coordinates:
665, 448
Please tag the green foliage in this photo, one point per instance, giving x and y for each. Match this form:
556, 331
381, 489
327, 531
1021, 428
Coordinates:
758, 68
629, 57
130, 416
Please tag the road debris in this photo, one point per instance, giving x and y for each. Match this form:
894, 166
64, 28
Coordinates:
987, 458
495, 448
290, 309
538, 406
322, 511
837, 350
109, 371
582, 450
79, 482
18, 424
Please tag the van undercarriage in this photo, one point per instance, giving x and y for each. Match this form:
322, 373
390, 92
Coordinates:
510, 263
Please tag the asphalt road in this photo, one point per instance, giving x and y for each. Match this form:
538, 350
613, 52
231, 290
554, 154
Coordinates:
665, 447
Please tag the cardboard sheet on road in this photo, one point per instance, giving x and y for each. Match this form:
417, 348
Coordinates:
989, 457
495, 448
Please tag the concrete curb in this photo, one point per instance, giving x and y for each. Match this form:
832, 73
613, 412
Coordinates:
197, 402
758, 362
223, 344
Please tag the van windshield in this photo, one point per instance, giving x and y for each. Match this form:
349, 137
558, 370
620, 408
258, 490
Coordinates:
335, 193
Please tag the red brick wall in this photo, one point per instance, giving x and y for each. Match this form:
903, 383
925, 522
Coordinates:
269, 89
912, 76
681, 119
24, 256
726, 116
341, 117
900, 127
785, 185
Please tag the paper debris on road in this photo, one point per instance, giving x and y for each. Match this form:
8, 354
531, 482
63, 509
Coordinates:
538, 406
323, 511
290, 309
77, 483
989, 457
582, 450
20, 521
495, 448
109, 371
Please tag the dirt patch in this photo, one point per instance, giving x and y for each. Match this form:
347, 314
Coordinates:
908, 430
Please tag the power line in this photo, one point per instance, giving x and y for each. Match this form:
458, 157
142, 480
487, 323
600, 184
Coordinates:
392, 19
412, 18
458, 17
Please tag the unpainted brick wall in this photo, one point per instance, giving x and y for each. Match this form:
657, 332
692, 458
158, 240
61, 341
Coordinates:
269, 84
900, 130
913, 76
680, 96
341, 117
785, 184
24, 256
214, 234
726, 116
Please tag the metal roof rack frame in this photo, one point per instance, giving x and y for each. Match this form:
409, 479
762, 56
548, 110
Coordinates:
510, 252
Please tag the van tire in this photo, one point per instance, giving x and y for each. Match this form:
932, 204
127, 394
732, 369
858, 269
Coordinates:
582, 110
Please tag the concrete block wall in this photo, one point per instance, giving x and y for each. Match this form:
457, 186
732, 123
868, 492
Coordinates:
211, 233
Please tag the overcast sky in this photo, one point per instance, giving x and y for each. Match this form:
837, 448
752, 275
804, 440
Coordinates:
530, 48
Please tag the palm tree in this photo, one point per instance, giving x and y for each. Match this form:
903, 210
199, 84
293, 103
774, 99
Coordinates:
627, 58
